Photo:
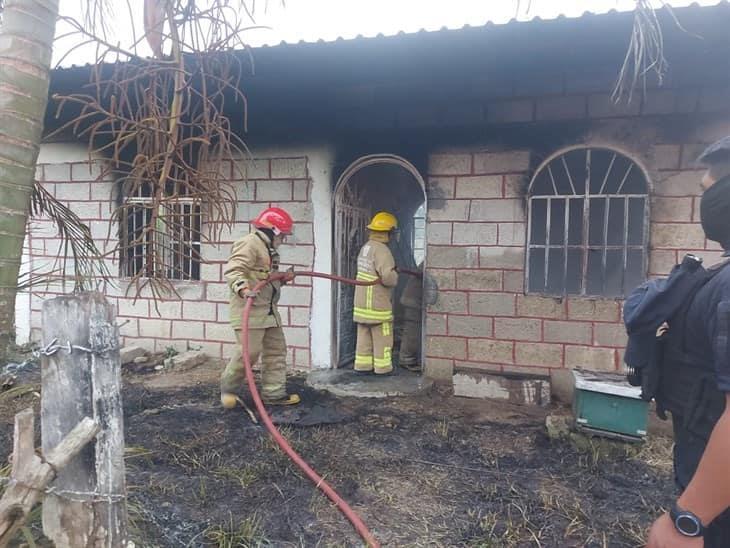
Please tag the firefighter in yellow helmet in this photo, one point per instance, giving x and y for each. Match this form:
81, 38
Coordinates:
373, 311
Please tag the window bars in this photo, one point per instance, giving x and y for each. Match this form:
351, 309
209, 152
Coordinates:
588, 212
165, 243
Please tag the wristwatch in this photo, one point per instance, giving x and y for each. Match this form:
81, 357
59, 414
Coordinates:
686, 522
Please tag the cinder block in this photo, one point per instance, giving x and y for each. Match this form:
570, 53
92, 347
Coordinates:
297, 336
683, 236
219, 332
690, 153
590, 358
302, 358
128, 307
289, 168
254, 168
299, 316
490, 350
87, 171
190, 291
445, 279
439, 369
185, 329
714, 99
682, 183
475, 234
568, 332
513, 388
670, 101
518, 329
211, 272
671, 210
661, 261
505, 210
453, 302
295, 295
53, 173
73, 191
159, 329
300, 255
301, 212
510, 112
561, 107
449, 164
200, 311
512, 234
513, 161
479, 186
452, 257
448, 210
171, 310
515, 186
609, 334
597, 310
539, 354
513, 281
103, 191
446, 347
219, 292
479, 280
301, 190
441, 188
491, 304
436, 324
537, 306
128, 327
273, 191
512, 258
439, 233
470, 326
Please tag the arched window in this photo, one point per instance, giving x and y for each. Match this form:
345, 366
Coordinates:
587, 225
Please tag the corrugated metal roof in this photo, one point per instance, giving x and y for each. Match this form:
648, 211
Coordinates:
585, 16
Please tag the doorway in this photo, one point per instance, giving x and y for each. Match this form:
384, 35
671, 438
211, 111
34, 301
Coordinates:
375, 183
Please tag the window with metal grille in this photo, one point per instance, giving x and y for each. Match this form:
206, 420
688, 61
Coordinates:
588, 213
171, 247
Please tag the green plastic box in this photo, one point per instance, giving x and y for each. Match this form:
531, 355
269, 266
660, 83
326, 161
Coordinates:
605, 404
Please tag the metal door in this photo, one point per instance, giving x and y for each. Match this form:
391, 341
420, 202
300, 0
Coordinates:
351, 234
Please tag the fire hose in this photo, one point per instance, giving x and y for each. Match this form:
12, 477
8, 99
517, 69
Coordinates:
318, 480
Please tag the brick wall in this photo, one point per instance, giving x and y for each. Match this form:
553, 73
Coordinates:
483, 320
198, 316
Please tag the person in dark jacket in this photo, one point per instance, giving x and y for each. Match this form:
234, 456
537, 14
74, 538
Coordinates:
701, 421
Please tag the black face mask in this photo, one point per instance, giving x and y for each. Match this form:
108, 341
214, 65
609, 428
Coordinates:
715, 212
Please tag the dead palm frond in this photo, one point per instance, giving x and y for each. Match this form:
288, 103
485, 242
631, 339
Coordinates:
77, 245
163, 125
645, 53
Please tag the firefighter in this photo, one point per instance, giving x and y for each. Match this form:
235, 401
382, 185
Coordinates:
373, 311
253, 258
410, 342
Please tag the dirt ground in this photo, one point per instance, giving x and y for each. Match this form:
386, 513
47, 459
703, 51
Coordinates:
432, 470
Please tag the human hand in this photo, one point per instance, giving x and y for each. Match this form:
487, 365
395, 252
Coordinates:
663, 534
289, 275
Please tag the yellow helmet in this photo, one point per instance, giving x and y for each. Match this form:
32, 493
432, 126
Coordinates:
383, 222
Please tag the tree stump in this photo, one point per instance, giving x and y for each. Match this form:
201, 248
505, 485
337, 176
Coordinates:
81, 376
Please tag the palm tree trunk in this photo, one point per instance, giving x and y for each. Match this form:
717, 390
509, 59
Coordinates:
26, 39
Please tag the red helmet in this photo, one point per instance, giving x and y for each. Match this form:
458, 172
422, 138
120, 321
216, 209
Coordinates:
276, 219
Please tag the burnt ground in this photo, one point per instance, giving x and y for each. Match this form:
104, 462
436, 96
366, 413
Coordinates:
431, 470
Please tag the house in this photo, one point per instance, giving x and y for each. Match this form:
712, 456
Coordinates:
535, 200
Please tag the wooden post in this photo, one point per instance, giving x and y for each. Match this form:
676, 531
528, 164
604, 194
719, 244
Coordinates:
31, 474
81, 376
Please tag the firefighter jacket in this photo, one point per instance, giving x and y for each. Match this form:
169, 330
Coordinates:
373, 304
252, 259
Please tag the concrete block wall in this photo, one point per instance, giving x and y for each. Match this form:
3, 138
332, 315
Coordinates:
483, 320
198, 316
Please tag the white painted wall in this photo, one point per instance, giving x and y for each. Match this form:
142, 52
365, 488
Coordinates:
52, 153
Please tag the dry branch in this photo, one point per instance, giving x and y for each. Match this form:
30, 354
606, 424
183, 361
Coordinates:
31, 473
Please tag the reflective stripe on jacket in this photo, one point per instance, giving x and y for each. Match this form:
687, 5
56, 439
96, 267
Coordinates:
252, 259
373, 303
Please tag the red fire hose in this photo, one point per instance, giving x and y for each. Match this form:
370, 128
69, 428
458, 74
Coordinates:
321, 484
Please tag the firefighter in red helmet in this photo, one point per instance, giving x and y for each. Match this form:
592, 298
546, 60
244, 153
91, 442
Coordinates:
253, 258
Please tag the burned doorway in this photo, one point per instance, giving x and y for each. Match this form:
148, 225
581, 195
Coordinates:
371, 184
